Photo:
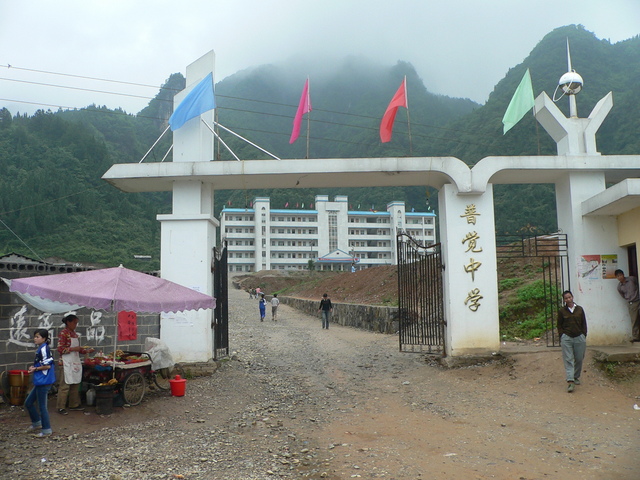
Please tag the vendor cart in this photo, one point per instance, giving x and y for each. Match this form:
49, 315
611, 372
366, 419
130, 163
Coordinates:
132, 371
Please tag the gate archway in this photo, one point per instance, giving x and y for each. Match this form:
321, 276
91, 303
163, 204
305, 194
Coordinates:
549, 254
420, 296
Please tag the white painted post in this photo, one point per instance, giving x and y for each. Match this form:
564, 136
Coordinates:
589, 236
470, 275
188, 234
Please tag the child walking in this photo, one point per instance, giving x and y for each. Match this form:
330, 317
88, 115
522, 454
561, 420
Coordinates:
274, 307
262, 303
43, 371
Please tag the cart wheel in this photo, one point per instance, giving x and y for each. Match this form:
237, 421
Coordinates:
161, 378
133, 388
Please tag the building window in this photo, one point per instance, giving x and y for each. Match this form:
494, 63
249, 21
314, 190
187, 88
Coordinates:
333, 231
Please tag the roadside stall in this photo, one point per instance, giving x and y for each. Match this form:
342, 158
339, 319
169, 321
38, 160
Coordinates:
124, 291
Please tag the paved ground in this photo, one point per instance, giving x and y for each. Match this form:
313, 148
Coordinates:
297, 401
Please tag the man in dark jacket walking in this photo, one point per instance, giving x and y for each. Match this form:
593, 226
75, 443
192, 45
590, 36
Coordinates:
572, 330
326, 308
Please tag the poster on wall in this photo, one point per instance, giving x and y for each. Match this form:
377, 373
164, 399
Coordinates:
597, 267
589, 267
609, 266
127, 326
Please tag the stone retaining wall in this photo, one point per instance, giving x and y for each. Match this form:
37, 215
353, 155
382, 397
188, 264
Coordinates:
367, 317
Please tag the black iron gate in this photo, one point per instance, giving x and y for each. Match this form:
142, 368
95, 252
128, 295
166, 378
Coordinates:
221, 293
549, 258
420, 296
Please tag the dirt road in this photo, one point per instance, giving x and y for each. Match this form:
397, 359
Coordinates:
297, 401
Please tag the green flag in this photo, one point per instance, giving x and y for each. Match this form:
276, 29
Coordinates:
520, 104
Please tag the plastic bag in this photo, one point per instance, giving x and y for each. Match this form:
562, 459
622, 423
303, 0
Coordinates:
159, 353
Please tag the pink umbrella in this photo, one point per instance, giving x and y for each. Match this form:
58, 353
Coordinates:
115, 289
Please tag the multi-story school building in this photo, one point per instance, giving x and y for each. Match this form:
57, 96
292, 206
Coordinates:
331, 235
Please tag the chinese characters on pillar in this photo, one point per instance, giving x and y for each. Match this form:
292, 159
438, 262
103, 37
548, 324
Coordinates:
470, 240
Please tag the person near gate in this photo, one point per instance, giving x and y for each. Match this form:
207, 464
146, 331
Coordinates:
326, 308
572, 330
628, 289
274, 307
44, 375
262, 305
69, 349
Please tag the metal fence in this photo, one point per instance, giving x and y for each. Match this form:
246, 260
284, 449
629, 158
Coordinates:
420, 296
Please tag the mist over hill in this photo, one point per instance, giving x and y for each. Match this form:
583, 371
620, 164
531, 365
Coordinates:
54, 204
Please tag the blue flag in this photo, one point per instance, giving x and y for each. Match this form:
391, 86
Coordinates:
199, 100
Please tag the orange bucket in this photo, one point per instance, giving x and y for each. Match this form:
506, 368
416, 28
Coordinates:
178, 386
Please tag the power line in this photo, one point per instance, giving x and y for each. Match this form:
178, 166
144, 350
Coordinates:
76, 88
88, 78
266, 102
22, 241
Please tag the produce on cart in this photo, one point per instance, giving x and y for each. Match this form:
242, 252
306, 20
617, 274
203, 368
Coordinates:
129, 371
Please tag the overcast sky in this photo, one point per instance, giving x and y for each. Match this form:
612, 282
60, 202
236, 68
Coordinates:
460, 48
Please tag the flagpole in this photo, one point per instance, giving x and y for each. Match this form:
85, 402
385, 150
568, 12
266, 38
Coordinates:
308, 124
410, 143
406, 96
308, 115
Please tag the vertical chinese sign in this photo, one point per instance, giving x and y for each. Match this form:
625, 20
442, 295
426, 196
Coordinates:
473, 248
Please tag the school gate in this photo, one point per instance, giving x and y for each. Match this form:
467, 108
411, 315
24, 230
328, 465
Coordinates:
220, 324
420, 296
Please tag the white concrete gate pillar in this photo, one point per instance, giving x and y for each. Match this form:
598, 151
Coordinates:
470, 271
590, 237
189, 232
592, 240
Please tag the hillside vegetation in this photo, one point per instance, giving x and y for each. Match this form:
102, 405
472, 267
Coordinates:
53, 202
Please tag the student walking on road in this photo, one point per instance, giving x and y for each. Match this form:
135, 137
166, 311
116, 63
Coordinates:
262, 304
326, 308
274, 307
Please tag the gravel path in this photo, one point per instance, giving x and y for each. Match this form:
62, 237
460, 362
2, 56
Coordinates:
297, 401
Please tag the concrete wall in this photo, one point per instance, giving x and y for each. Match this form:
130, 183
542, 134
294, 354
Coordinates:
366, 317
19, 320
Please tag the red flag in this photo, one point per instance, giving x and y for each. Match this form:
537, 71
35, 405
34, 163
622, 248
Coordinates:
303, 107
398, 100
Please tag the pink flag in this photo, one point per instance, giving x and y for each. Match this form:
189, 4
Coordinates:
398, 100
286, 205
303, 107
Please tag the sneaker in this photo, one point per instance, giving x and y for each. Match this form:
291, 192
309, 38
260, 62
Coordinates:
33, 428
42, 434
570, 387
79, 408
576, 381
62, 411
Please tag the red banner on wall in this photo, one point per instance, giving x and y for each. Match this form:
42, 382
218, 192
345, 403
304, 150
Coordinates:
127, 326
